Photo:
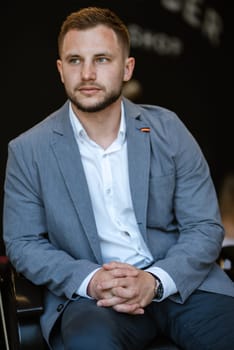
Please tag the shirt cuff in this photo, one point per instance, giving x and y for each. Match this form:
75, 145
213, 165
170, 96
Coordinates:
82, 290
169, 286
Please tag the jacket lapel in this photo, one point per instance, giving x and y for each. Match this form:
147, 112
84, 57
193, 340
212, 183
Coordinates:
69, 161
138, 138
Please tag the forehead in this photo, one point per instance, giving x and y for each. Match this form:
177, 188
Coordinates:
93, 39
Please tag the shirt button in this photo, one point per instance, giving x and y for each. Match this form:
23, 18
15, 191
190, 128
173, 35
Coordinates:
126, 233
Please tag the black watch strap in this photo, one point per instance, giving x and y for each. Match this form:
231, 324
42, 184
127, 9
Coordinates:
159, 291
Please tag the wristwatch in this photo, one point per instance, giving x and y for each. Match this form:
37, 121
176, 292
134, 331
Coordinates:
158, 289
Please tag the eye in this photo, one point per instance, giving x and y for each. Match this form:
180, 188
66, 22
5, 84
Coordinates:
74, 60
102, 59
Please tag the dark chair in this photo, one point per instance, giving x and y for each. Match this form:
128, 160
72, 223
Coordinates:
226, 260
21, 308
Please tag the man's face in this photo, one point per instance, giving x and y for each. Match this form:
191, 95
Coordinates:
93, 66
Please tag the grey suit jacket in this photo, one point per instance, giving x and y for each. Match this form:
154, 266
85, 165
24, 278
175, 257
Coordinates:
49, 227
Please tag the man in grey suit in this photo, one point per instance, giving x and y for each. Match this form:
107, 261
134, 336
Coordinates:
110, 205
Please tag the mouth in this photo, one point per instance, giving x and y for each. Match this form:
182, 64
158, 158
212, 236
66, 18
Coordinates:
89, 90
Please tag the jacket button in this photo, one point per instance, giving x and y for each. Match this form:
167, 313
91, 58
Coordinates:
60, 307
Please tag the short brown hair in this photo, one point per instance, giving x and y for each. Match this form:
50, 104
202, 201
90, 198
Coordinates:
91, 17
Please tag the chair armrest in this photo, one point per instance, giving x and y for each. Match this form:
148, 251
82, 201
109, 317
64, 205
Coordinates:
28, 297
22, 307
226, 260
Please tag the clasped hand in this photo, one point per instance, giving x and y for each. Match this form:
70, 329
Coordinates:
123, 287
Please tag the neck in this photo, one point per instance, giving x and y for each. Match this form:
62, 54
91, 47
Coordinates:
101, 127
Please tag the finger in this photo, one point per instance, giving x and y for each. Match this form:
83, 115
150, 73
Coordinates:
125, 293
112, 301
133, 309
104, 295
114, 264
121, 270
124, 272
105, 285
120, 286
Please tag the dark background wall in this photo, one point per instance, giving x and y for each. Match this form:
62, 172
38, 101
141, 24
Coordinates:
183, 50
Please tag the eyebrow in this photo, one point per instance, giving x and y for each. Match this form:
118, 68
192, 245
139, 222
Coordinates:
76, 55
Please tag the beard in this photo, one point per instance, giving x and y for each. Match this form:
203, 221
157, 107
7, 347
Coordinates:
98, 106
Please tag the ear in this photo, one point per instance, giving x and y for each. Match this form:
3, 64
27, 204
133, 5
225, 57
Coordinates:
129, 67
60, 69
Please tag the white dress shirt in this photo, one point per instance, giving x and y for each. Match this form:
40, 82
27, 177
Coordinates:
106, 173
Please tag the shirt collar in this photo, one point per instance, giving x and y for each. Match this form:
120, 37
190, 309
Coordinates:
80, 131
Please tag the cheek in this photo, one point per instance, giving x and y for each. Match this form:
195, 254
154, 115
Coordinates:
116, 77
70, 78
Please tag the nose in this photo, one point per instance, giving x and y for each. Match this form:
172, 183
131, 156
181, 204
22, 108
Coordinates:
88, 71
